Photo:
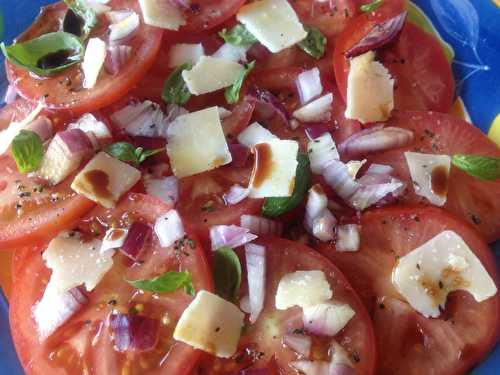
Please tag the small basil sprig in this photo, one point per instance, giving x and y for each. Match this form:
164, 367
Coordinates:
166, 283
175, 90
129, 153
371, 7
238, 36
232, 93
314, 43
279, 205
46, 55
80, 18
482, 167
227, 274
27, 150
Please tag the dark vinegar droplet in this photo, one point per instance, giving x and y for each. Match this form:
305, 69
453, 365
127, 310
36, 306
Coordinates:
55, 59
73, 23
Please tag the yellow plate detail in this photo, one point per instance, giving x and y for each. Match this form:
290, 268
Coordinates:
494, 132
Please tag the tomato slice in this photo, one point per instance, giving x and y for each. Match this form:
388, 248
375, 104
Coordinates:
207, 14
262, 341
409, 343
65, 90
84, 342
469, 198
424, 80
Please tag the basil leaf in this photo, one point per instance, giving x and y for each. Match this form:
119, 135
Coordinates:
175, 90
314, 43
238, 36
86, 16
227, 274
46, 55
27, 150
279, 205
232, 93
371, 7
482, 167
127, 152
166, 283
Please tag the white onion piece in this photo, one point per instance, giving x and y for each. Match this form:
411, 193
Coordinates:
321, 150
116, 58
113, 239
338, 178
166, 188
309, 85
347, 238
339, 355
353, 167
115, 16
368, 195
327, 319
317, 202
124, 28
231, 52
375, 168
92, 127
376, 138
319, 110
261, 226
318, 220
55, 308
10, 94
229, 235
323, 226
169, 228
312, 367
255, 256
245, 304
300, 344
235, 195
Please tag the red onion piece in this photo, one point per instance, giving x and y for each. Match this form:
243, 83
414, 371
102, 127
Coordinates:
338, 178
116, 58
255, 256
165, 188
270, 103
309, 85
240, 117
327, 319
312, 367
323, 226
76, 141
316, 129
380, 35
235, 195
300, 344
138, 234
318, 220
10, 94
261, 226
134, 332
258, 52
229, 235
239, 153
348, 238
41, 126
368, 195
376, 138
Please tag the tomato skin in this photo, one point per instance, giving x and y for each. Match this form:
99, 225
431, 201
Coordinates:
209, 14
393, 232
64, 90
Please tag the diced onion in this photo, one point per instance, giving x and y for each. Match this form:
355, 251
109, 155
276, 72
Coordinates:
137, 236
267, 102
321, 151
230, 235
166, 188
124, 28
41, 126
300, 344
316, 111
231, 52
327, 319
114, 239
235, 195
261, 226
169, 228
10, 94
347, 237
116, 58
309, 85
134, 332
255, 256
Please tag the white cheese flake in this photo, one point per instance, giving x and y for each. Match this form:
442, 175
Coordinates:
303, 289
162, 13
93, 61
254, 134
231, 52
183, 53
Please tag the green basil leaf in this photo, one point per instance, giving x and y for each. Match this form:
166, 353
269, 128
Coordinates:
127, 152
482, 167
227, 274
166, 283
27, 150
175, 90
147, 153
279, 205
232, 93
314, 43
86, 15
46, 55
371, 7
238, 36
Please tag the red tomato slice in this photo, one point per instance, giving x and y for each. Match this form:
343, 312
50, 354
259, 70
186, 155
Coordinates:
84, 342
469, 198
424, 80
262, 341
207, 14
65, 90
409, 343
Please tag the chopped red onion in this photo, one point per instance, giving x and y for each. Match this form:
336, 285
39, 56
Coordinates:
90, 124
76, 142
116, 16
323, 226
134, 332
347, 238
10, 94
318, 220
41, 126
316, 129
312, 367
116, 58
261, 226
239, 153
327, 319
123, 30
255, 256
165, 188
114, 239
235, 195
300, 344
319, 110
380, 35
309, 85
321, 151
137, 236
338, 178
368, 195
376, 138
169, 228
229, 235
270, 103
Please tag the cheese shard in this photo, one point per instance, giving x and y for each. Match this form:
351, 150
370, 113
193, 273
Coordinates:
162, 13
273, 22
105, 179
254, 134
429, 174
370, 90
445, 263
274, 169
211, 324
303, 289
93, 61
75, 262
211, 74
196, 143
185, 53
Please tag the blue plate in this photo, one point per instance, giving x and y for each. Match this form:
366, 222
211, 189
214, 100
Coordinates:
470, 31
